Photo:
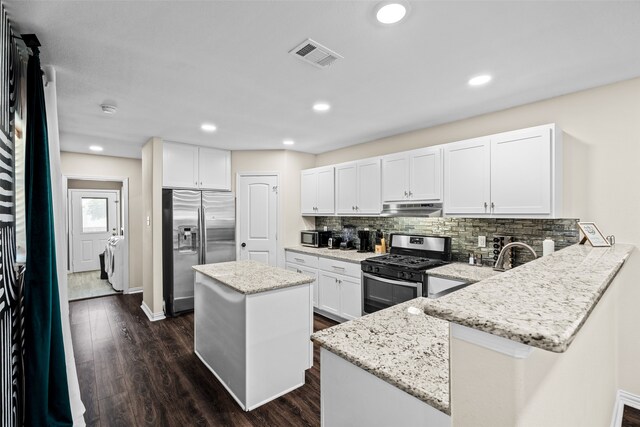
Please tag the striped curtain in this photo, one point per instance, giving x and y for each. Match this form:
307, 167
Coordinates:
12, 78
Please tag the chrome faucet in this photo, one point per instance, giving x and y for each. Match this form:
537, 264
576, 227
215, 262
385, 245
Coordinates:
499, 265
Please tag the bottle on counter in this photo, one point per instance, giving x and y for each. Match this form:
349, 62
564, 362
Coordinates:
472, 260
548, 246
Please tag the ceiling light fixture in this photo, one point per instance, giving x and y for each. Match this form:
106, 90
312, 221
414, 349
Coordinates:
390, 12
288, 142
321, 107
95, 148
208, 127
480, 80
108, 108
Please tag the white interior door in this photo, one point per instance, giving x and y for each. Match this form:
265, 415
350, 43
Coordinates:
94, 218
258, 218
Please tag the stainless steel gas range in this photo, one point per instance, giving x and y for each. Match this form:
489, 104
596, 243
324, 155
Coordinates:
402, 274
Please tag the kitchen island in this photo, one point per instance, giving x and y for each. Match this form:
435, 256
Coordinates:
533, 346
252, 328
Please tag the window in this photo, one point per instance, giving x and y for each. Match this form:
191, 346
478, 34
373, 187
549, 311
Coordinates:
94, 215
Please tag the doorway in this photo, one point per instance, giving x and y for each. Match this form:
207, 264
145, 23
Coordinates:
257, 215
97, 223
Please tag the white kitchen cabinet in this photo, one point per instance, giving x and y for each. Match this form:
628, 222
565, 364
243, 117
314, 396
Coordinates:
467, 184
328, 293
511, 174
317, 191
521, 172
190, 166
340, 291
311, 272
179, 165
358, 187
412, 175
214, 169
350, 297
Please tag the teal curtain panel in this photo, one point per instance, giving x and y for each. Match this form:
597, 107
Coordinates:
46, 388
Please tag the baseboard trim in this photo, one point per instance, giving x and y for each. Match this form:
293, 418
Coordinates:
492, 342
151, 315
135, 290
623, 398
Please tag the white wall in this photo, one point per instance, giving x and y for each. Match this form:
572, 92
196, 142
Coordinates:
106, 166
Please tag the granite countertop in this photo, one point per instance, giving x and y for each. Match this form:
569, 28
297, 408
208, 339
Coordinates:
252, 277
351, 255
462, 271
408, 351
543, 303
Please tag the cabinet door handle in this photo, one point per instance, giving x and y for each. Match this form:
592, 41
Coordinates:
406, 194
353, 208
410, 194
485, 206
200, 183
337, 268
492, 205
299, 259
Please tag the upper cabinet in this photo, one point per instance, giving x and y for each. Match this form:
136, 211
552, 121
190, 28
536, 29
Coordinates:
358, 187
412, 175
510, 174
190, 166
317, 191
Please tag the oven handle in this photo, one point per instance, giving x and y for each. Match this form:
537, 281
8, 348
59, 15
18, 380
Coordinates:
393, 282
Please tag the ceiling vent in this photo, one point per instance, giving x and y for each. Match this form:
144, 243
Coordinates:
315, 54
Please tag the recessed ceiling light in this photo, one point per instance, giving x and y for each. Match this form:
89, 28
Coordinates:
390, 13
288, 142
321, 107
480, 80
95, 148
208, 127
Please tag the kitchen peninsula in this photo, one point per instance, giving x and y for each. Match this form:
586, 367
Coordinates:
252, 328
536, 342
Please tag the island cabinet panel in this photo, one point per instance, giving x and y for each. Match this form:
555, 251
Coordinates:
257, 345
378, 403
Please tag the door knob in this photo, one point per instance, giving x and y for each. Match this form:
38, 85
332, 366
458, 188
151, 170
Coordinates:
244, 245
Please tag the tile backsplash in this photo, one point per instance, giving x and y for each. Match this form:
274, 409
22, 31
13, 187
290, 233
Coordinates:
464, 232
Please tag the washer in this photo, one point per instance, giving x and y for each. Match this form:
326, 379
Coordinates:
114, 262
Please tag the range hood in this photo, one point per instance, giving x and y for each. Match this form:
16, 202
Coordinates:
412, 209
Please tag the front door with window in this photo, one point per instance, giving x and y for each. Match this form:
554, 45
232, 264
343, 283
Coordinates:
94, 218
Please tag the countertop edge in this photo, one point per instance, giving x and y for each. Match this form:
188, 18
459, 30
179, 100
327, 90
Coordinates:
557, 343
330, 256
438, 404
305, 281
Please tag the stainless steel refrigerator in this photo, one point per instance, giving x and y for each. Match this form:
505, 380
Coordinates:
198, 227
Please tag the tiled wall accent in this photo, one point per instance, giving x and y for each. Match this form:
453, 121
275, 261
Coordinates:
465, 231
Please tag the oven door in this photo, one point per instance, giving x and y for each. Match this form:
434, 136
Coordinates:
379, 292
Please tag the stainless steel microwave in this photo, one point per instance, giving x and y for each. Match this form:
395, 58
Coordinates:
315, 238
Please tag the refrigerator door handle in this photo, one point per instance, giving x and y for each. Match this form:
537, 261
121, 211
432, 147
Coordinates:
199, 236
204, 235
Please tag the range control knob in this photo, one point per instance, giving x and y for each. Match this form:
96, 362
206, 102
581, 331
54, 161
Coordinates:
376, 269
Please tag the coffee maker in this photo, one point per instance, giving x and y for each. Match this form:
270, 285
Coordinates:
366, 241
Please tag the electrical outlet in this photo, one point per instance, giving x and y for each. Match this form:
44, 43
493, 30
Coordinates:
482, 241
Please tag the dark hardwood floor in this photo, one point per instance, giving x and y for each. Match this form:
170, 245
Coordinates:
630, 417
133, 372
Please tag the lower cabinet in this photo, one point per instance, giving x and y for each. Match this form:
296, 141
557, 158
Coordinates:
337, 286
311, 272
340, 295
